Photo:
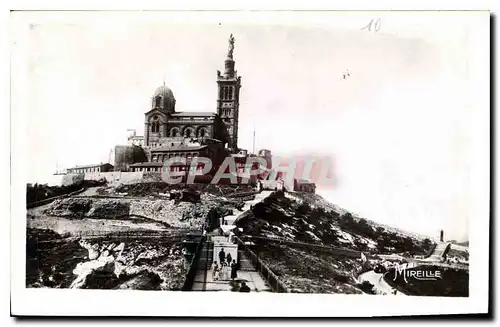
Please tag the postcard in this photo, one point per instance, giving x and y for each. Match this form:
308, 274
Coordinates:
250, 163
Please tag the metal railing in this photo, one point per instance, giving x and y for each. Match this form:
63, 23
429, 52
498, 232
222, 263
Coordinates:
243, 194
170, 235
459, 266
48, 200
193, 268
132, 233
335, 250
271, 278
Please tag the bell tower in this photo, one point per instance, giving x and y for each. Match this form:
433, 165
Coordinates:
228, 97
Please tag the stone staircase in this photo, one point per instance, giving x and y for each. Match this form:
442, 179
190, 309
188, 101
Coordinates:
206, 256
440, 251
245, 263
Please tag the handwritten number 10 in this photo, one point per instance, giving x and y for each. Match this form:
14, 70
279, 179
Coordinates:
374, 24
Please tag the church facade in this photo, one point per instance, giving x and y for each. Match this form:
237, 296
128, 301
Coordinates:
164, 126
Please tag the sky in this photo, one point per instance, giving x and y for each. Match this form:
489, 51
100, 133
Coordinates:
399, 129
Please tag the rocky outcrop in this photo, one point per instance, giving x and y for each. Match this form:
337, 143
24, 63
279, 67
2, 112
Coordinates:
181, 215
133, 266
70, 207
109, 209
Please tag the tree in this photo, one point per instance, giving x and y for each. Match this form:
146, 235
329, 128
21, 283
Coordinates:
381, 243
427, 243
378, 231
363, 222
408, 244
303, 209
360, 245
346, 220
364, 228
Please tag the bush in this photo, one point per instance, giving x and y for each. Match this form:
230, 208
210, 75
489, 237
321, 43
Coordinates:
37, 192
366, 287
302, 209
341, 278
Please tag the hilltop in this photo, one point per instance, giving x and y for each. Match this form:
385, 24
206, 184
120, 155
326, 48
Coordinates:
283, 225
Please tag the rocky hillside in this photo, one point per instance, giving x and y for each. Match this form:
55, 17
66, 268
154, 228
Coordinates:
304, 221
154, 264
282, 227
182, 215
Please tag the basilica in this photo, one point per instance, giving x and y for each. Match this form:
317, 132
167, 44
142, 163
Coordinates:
169, 133
214, 135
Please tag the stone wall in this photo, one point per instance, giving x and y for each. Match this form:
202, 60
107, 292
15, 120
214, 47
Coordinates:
269, 185
152, 177
115, 176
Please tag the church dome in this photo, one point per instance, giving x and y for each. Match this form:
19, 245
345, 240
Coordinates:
164, 91
163, 98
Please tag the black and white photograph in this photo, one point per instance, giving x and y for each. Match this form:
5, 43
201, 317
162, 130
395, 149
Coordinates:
194, 156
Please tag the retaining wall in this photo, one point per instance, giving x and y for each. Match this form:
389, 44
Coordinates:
115, 176
49, 200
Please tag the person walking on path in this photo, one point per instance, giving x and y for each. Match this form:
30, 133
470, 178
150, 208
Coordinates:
224, 271
215, 271
222, 256
234, 269
229, 259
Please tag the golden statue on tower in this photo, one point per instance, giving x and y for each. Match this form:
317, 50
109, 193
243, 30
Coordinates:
231, 46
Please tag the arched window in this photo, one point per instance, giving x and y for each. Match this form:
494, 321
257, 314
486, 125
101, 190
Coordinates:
158, 101
202, 132
155, 125
174, 132
188, 132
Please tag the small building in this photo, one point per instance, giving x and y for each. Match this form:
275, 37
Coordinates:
302, 185
266, 154
97, 168
125, 155
136, 140
146, 166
